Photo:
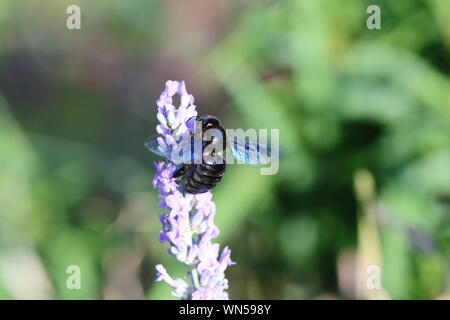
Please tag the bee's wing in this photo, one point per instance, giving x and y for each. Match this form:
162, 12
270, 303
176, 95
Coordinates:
252, 154
155, 144
158, 145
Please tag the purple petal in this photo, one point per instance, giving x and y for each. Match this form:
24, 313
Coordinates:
171, 87
225, 259
162, 275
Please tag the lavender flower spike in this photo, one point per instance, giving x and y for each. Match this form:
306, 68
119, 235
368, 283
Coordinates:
189, 226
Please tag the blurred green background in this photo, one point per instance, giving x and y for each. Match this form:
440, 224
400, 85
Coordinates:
364, 118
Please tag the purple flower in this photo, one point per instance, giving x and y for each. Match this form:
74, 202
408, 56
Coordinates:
179, 285
206, 293
189, 226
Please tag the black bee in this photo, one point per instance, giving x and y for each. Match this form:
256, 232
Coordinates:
202, 176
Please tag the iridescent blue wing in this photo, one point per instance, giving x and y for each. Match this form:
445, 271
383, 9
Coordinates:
183, 154
252, 154
152, 144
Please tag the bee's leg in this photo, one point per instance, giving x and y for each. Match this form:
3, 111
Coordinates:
180, 171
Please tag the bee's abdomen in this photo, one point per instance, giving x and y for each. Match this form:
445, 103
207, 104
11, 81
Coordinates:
204, 178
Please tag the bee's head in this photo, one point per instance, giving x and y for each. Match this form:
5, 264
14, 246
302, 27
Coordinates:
209, 122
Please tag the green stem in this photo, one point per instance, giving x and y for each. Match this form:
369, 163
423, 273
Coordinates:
195, 277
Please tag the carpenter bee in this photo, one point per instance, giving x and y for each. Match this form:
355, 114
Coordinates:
200, 169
